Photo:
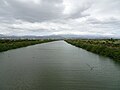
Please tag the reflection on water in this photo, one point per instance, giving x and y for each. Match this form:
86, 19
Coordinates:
57, 66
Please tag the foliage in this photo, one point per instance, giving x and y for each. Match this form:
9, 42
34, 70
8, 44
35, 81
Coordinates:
106, 47
13, 44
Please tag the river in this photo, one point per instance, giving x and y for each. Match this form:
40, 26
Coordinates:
57, 66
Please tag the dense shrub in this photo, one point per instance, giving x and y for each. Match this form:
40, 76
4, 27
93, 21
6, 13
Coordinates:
13, 44
107, 48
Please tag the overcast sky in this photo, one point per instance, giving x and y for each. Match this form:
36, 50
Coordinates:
47, 17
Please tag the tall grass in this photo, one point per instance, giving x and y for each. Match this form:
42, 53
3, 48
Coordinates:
13, 44
102, 47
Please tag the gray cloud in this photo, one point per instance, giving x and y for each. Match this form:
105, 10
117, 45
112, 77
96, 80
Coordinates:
39, 11
45, 17
29, 11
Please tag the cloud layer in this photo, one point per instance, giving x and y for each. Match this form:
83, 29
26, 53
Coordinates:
47, 17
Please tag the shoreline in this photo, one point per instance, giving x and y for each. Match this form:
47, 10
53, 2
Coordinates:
6, 45
106, 51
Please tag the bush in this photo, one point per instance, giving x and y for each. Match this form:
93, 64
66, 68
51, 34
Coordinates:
13, 44
98, 47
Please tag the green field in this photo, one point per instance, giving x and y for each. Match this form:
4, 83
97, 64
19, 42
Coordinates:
13, 44
105, 47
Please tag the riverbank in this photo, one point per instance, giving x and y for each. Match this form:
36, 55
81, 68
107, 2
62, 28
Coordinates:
109, 47
13, 44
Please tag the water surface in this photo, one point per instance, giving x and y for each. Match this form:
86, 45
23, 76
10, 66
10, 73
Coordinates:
57, 66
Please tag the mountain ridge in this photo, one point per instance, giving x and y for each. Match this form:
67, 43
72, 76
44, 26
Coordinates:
63, 36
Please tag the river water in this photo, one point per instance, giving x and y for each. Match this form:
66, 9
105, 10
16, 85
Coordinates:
57, 66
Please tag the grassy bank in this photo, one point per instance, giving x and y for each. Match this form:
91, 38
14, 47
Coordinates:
13, 44
107, 47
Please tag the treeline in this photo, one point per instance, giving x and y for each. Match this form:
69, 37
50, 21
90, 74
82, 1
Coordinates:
13, 44
107, 47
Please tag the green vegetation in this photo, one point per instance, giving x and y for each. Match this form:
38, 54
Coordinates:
13, 44
106, 47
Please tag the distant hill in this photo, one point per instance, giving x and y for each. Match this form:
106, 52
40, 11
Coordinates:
31, 37
70, 36
63, 36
